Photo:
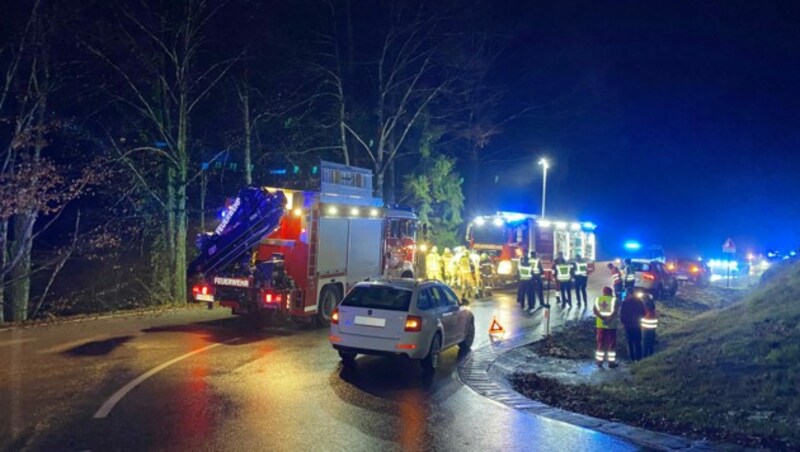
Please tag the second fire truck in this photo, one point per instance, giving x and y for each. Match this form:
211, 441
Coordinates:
506, 236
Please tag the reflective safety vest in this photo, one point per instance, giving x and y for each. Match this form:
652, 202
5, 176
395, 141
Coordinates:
630, 274
524, 271
649, 323
581, 269
562, 272
535, 266
605, 304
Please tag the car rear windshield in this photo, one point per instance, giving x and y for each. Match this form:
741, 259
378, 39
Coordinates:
641, 266
378, 297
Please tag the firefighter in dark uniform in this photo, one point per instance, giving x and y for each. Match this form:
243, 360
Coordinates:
581, 272
630, 276
537, 284
564, 278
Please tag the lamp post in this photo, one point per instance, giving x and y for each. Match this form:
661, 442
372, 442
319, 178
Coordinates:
545, 165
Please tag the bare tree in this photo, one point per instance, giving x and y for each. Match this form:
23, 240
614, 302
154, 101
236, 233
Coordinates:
404, 75
163, 79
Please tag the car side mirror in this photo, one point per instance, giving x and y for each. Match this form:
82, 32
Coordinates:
464, 302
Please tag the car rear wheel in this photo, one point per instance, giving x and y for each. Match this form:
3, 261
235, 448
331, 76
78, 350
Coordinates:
348, 358
431, 362
329, 298
469, 337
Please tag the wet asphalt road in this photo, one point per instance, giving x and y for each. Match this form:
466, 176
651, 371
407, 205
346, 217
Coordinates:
275, 389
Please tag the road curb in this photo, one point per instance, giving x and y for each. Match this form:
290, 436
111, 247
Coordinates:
476, 372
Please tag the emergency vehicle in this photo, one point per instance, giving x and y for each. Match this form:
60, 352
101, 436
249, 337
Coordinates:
507, 236
295, 253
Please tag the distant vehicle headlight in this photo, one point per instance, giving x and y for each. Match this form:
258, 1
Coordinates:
504, 268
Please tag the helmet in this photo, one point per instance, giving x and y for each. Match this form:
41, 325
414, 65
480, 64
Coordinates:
484, 257
447, 251
434, 250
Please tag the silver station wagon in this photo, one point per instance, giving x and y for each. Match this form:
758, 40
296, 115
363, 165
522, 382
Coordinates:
389, 317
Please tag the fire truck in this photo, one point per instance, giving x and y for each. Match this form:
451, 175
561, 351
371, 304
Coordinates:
279, 252
507, 236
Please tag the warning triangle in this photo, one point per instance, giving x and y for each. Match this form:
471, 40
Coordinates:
496, 328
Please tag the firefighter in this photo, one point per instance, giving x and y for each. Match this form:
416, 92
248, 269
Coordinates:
630, 276
649, 326
465, 272
449, 266
581, 272
564, 278
475, 265
433, 264
537, 284
606, 313
616, 280
524, 288
487, 271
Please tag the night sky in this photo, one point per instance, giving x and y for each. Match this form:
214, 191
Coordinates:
673, 123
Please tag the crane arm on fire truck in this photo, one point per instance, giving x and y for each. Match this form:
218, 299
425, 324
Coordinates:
254, 214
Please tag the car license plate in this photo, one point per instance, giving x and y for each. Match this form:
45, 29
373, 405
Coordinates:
204, 297
683, 278
370, 321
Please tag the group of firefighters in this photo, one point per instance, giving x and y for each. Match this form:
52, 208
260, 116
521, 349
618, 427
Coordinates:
473, 273
464, 268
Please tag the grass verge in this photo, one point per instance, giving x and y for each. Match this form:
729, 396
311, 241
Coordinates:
727, 368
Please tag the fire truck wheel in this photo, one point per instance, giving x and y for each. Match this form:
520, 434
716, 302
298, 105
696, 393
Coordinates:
328, 300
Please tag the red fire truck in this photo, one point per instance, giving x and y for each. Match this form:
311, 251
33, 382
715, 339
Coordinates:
506, 236
294, 253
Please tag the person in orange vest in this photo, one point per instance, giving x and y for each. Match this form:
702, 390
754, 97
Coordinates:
649, 326
616, 280
606, 313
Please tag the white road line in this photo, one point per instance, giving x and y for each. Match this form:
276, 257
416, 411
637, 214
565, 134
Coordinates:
109, 404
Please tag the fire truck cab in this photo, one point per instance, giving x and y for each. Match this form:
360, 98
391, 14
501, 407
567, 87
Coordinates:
295, 253
507, 236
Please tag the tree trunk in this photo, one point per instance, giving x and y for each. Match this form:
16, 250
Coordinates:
389, 184
20, 273
169, 234
248, 165
473, 203
3, 260
181, 220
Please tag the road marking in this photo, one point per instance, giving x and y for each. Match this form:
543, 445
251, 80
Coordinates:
109, 404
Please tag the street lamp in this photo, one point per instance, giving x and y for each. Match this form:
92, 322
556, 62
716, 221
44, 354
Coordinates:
545, 165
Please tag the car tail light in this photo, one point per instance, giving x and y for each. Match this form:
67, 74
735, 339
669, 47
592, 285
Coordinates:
413, 324
694, 269
405, 346
649, 276
335, 317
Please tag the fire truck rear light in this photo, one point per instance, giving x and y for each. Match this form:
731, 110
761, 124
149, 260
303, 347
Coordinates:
413, 324
200, 289
335, 317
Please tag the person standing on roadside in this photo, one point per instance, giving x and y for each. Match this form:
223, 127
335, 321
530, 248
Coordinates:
581, 273
524, 290
630, 276
564, 277
606, 313
616, 280
631, 314
537, 284
649, 326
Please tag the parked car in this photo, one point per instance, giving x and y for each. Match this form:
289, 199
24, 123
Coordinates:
654, 277
690, 270
390, 317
